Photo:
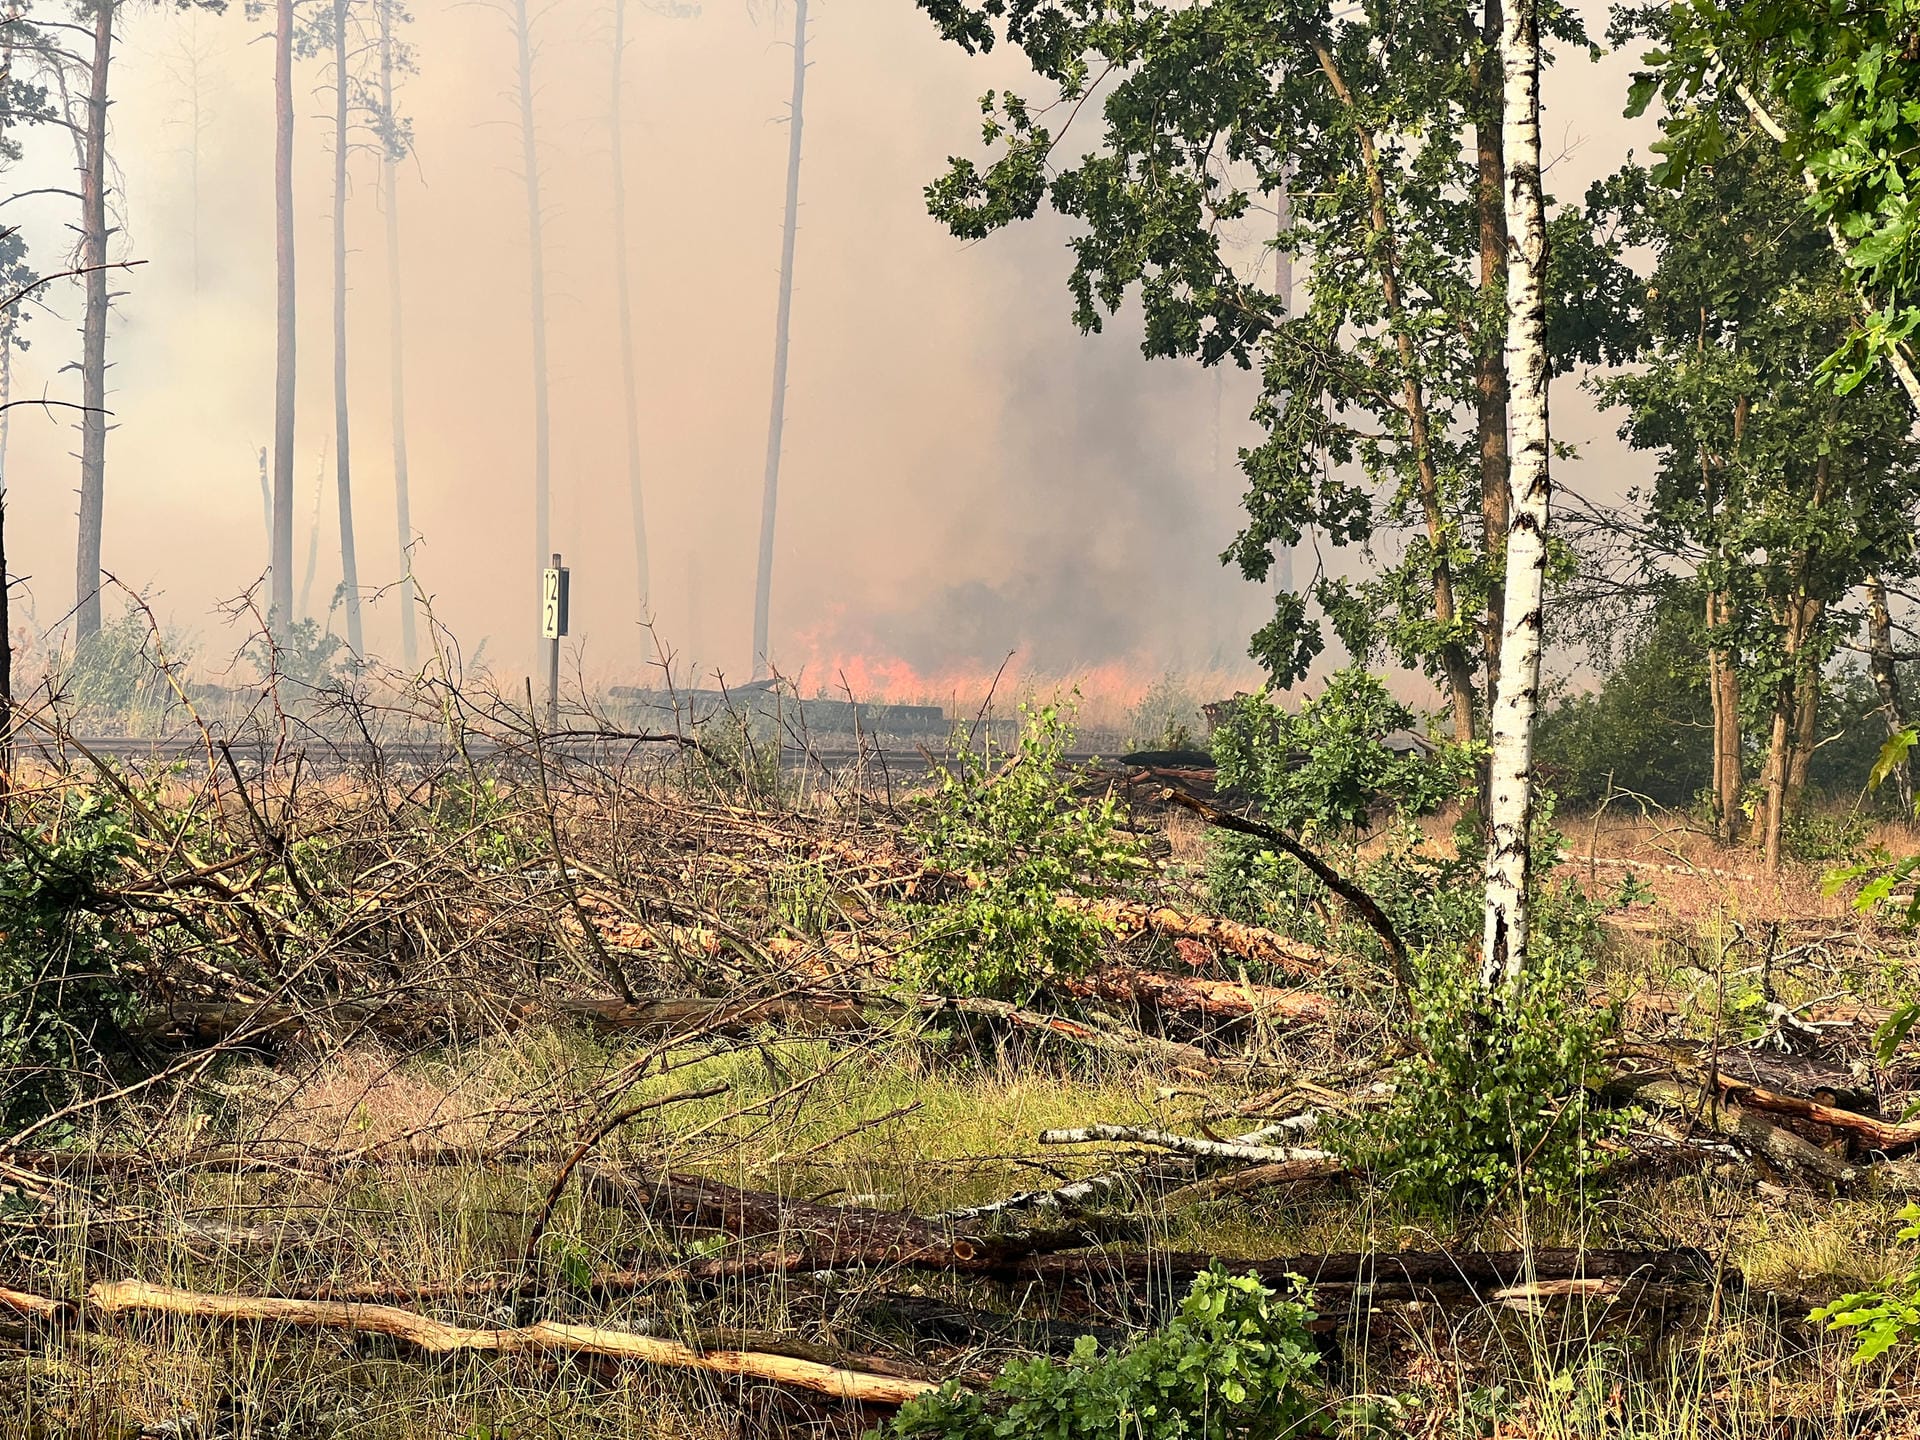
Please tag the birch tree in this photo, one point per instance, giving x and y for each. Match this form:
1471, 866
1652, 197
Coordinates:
1383, 396
1510, 785
782, 328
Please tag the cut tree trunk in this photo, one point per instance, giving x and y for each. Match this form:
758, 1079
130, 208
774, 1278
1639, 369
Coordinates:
1504, 944
536, 291
782, 326
342, 445
93, 332
280, 609
623, 299
396, 352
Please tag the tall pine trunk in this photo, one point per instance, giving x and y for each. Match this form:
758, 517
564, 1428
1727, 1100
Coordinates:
776, 420
624, 299
396, 353
281, 605
93, 332
1504, 943
1886, 680
342, 445
537, 283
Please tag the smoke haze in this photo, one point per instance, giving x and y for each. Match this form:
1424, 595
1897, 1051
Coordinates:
964, 474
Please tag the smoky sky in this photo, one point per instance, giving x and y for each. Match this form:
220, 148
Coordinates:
964, 474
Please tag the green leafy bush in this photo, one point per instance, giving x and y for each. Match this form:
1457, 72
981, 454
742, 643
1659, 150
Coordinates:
1235, 1364
1886, 1315
1494, 1103
1020, 836
64, 944
1327, 768
1648, 729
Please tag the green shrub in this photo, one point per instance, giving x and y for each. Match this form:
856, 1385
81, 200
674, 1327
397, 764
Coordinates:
1648, 728
1493, 1105
1235, 1364
1166, 717
1327, 769
1020, 836
65, 945
1886, 1315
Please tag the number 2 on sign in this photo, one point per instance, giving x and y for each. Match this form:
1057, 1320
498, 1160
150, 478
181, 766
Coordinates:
550, 604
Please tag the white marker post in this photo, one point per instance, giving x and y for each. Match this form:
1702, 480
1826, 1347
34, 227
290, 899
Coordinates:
553, 624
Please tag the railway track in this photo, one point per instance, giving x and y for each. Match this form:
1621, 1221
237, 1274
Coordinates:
335, 756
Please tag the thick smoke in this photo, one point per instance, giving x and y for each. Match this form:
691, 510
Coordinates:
964, 476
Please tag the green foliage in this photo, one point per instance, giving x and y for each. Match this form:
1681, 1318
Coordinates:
1326, 769
301, 653
118, 674
1782, 495
1494, 1104
1020, 835
484, 819
1235, 1364
1647, 729
1189, 119
738, 758
1886, 1315
1165, 717
1840, 78
65, 946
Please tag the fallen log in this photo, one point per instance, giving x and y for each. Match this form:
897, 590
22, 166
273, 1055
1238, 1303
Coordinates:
1132, 1044
1481, 1272
1255, 1154
111, 1299
1875, 1133
1230, 1000
1781, 1148
1257, 1177
1253, 943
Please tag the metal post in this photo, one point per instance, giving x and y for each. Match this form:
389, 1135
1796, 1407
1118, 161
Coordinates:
553, 672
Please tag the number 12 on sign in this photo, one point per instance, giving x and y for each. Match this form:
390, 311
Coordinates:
553, 601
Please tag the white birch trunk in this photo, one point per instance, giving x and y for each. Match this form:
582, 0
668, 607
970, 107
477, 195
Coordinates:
1510, 806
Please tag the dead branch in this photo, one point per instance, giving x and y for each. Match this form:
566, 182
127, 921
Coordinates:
110, 1299
1363, 903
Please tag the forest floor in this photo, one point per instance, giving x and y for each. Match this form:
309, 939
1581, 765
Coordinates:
737, 1182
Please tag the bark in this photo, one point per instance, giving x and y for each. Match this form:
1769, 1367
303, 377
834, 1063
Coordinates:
280, 610
93, 342
624, 300
1886, 680
537, 290
1490, 364
1723, 684
1453, 657
777, 417
396, 353
1795, 710
342, 445
134, 1297
1504, 945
